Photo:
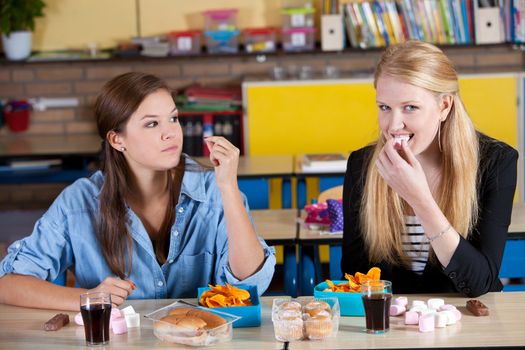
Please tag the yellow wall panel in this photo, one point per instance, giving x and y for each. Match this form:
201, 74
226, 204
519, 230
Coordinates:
73, 24
161, 16
340, 116
288, 118
491, 103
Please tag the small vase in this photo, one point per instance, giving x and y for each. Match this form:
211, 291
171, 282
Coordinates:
17, 45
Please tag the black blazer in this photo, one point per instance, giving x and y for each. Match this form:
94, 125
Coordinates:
474, 267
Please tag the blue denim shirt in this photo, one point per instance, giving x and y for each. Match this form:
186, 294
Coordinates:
64, 238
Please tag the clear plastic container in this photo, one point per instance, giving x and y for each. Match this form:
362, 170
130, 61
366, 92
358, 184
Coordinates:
203, 336
305, 318
259, 39
222, 41
185, 43
299, 17
298, 39
225, 19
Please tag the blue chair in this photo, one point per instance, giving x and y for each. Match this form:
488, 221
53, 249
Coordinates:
513, 264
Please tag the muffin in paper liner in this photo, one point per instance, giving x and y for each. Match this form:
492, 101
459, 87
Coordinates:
317, 319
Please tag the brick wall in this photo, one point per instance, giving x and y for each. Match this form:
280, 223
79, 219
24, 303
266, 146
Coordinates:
84, 79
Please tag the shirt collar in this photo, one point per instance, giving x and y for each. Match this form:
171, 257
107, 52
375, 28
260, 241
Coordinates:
193, 181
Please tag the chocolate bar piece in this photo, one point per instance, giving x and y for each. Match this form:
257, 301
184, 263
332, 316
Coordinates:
477, 308
58, 321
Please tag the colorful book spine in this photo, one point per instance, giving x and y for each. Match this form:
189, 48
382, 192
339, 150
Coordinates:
368, 14
395, 20
381, 25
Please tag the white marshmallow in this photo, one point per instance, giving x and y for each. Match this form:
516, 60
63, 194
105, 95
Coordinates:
435, 303
427, 312
128, 310
399, 138
440, 319
418, 308
451, 317
132, 320
418, 303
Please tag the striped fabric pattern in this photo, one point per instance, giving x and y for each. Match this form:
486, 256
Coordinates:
415, 244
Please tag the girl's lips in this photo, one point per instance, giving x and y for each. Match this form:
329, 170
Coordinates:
170, 149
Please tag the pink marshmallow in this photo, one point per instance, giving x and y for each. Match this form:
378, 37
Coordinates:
446, 307
426, 323
396, 310
118, 325
411, 317
401, 301
457, 313
78, 319
115, 313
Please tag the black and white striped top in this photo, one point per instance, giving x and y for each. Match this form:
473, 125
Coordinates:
415, 244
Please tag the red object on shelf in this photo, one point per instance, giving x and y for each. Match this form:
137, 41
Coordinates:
17, 121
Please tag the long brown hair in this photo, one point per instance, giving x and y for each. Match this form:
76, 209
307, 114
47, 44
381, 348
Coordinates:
382, 210
119, 99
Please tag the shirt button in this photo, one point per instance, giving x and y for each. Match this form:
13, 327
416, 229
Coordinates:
461, 284
176, 232
17, 245
160, 283
466, 290
452, 275
181, 210
170, 261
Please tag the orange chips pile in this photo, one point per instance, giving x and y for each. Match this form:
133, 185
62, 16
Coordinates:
223, 296
354, 282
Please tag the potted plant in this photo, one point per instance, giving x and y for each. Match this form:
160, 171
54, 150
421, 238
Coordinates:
17, 21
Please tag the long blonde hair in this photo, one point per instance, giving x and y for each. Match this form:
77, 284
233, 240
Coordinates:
382, 210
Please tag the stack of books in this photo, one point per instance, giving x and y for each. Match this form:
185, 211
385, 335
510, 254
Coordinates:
200, 98
324, 163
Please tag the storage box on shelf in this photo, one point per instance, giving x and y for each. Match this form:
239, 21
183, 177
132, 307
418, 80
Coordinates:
298, 17
298, 39
222, 35
185, 42
220, 20
259, 39
222, 41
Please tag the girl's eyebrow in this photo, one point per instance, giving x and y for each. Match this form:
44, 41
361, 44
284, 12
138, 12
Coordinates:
175, 110
404, 102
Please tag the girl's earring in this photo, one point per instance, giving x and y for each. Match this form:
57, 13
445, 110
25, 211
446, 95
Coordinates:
122, 149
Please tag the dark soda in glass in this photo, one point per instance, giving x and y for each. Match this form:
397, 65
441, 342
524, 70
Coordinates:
377, 307
96, 322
